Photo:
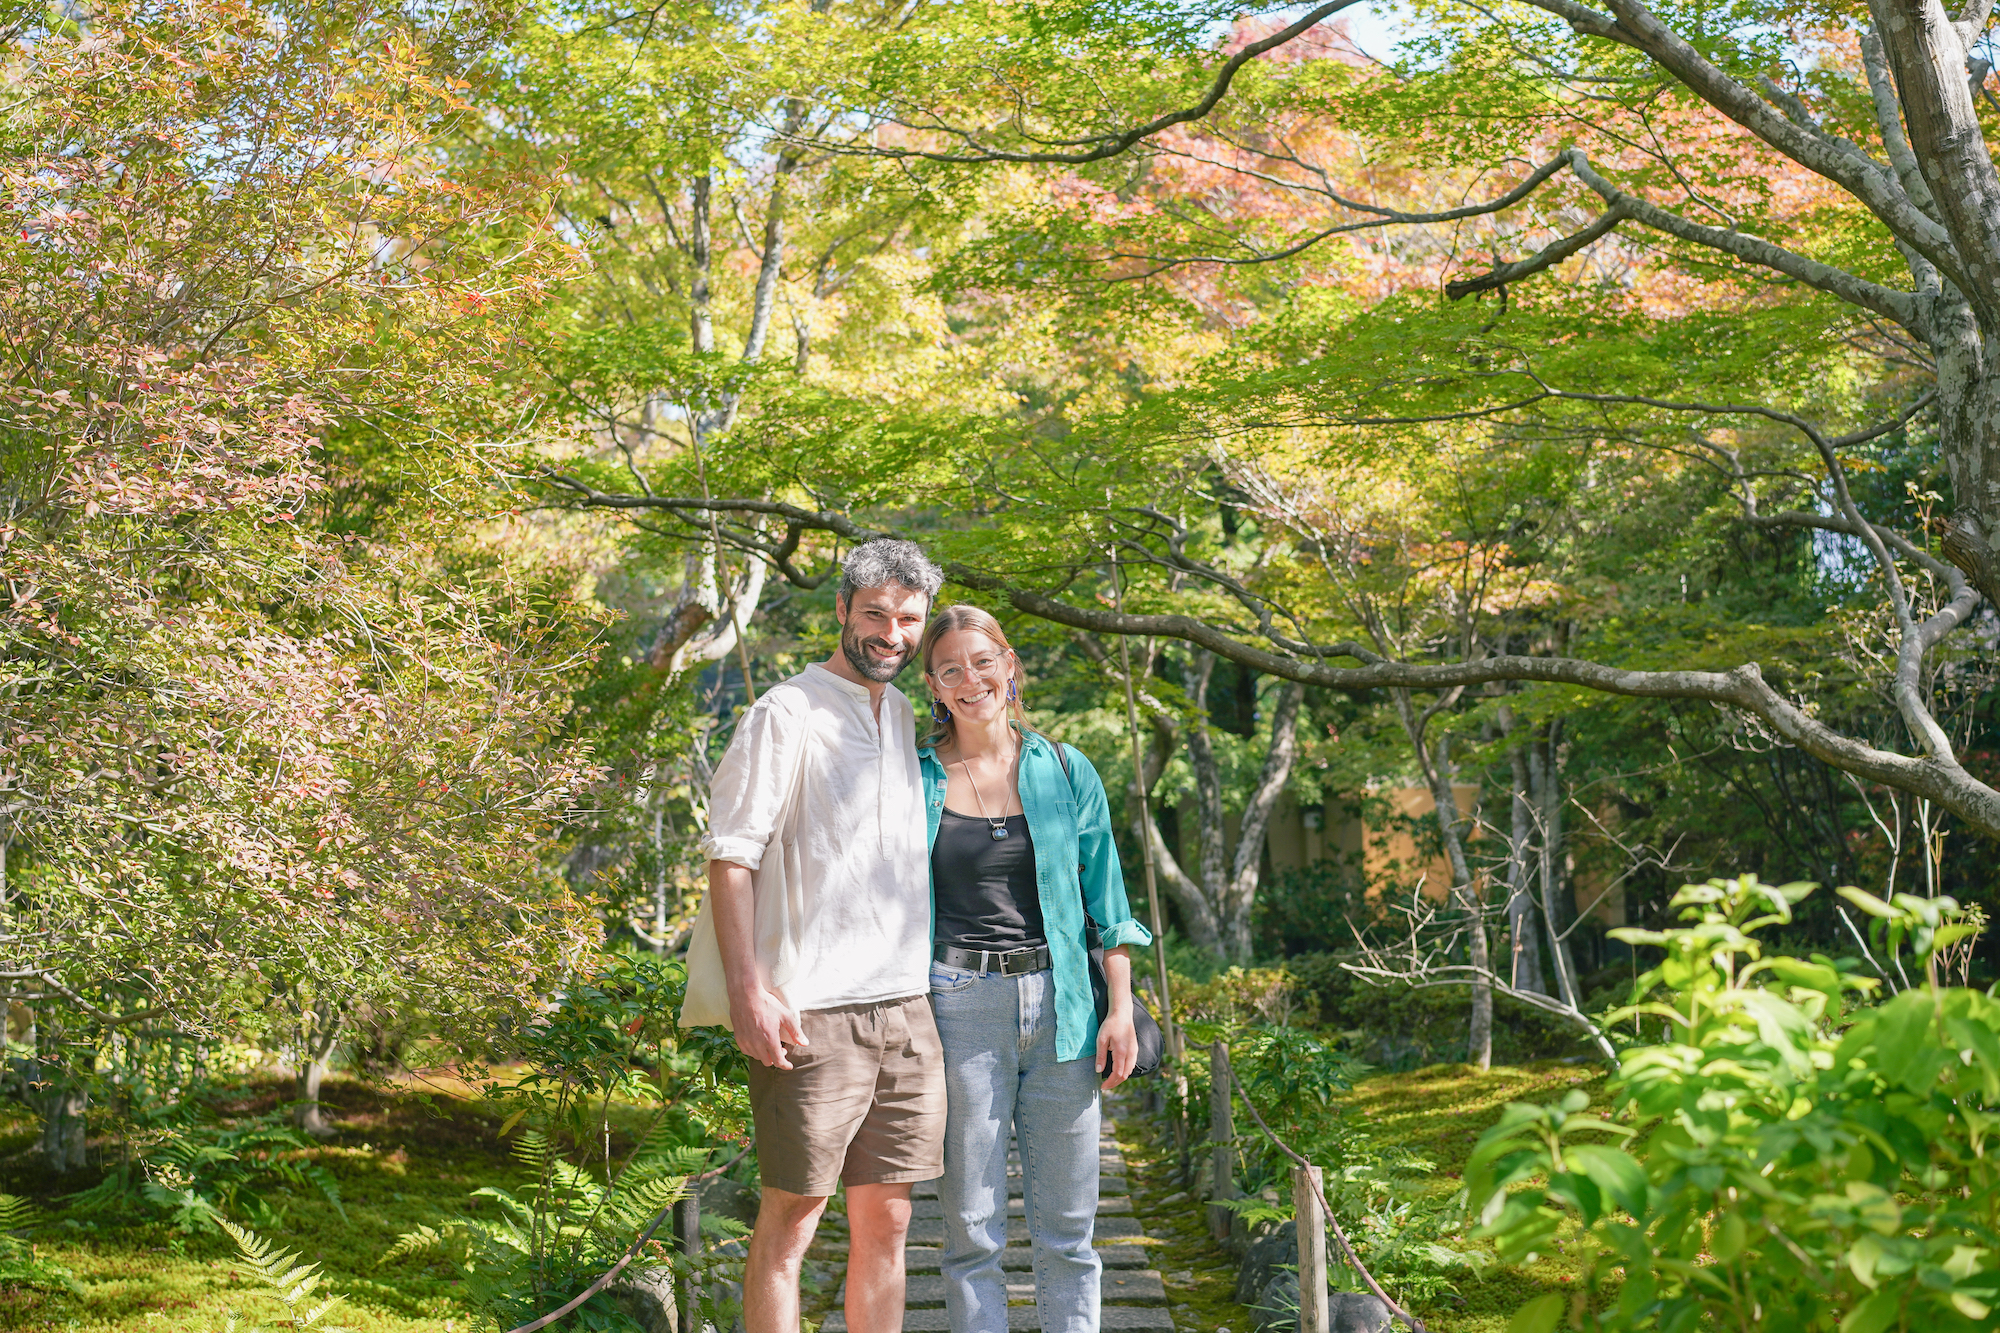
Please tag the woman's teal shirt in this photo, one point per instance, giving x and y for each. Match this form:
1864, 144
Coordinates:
1076, 865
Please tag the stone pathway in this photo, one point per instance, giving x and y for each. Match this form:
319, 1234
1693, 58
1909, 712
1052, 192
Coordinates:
1134, 1296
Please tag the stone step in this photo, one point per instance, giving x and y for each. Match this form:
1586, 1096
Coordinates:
1144, 1319
1021, 1259
1107, 1206
930, 1231
1119, 1287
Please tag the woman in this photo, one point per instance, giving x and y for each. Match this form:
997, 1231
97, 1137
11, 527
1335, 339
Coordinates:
1020, 849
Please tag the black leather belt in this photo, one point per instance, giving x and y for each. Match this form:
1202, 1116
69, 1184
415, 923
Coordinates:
1013, 963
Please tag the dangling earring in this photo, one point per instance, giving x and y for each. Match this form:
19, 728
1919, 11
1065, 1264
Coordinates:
939, 713
1012, 693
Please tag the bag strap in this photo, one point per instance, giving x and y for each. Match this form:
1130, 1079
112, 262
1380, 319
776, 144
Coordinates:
1093, 934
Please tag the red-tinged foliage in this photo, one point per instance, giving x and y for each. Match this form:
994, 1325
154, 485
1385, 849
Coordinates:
252, 743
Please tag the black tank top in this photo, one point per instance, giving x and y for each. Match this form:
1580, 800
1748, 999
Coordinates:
985, 886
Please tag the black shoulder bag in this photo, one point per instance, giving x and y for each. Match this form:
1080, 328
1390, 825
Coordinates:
1152, 1042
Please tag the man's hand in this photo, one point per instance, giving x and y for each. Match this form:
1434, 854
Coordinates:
764, 1023
762, 1019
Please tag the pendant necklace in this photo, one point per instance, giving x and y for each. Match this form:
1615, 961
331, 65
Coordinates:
999, 827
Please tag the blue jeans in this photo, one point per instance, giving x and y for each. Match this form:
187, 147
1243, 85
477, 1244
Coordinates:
1001, 1073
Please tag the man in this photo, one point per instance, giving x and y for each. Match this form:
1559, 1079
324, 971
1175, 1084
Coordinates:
819, 889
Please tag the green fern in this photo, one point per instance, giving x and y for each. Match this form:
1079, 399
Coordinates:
285, 1280
421, 1241
16, 1213
561, 1227
532, 1150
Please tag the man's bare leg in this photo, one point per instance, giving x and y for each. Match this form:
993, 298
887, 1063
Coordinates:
785, 1226
878, 1225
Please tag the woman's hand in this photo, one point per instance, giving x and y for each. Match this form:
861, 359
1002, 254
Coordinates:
1117, 1043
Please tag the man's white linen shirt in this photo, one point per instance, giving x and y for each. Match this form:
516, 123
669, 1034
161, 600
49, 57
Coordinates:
865, 901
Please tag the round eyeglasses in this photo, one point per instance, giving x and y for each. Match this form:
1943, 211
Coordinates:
985, 667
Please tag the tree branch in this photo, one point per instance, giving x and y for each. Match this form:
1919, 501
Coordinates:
1868, 182
1097, 147
1547, 257
1899, 307
1939, 778
1951, 152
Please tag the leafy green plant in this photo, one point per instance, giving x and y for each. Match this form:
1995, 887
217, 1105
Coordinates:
1779, 1162
552, 1237
285, 1280
20, 1266
1401, 1225
196, 1173
610, 1038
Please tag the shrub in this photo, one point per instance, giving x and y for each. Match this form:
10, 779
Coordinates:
609, 1037
194, 1171
1316, 907
1775, 1164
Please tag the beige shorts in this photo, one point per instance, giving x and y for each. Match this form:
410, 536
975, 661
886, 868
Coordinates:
863, 1103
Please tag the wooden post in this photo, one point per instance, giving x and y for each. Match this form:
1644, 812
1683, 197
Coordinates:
1313, 1316
687, 1235
1169, 1028
1222, 1130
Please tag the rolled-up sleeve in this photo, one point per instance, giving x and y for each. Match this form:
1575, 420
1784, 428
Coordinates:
747, 795
1097, 853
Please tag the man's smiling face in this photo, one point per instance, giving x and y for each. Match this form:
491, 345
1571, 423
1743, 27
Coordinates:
880, 629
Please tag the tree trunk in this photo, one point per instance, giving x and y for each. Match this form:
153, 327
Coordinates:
701, 326
1239, 896
1209, 827
1544, 769
64, 1126
1197, 914
1525, 972
307, 1112
1465, 892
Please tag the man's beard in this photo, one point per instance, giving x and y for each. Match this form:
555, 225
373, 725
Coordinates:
854, 646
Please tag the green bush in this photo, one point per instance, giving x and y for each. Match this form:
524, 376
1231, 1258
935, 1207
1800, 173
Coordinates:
1777, 1163
1398, 1222
1315, 908
194, 1171
610, 1037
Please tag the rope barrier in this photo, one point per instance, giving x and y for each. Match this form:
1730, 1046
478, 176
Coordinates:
606, 1280
1311, 1178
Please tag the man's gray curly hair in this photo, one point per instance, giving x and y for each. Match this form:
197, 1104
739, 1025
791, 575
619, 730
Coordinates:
887, 560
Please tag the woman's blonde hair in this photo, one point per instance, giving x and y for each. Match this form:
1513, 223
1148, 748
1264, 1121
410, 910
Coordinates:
950, 620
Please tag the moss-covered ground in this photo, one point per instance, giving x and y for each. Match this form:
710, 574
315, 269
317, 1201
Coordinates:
408, 1157
1438, 1112
401, 1159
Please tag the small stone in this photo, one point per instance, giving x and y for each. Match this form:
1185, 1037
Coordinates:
1178, 1197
